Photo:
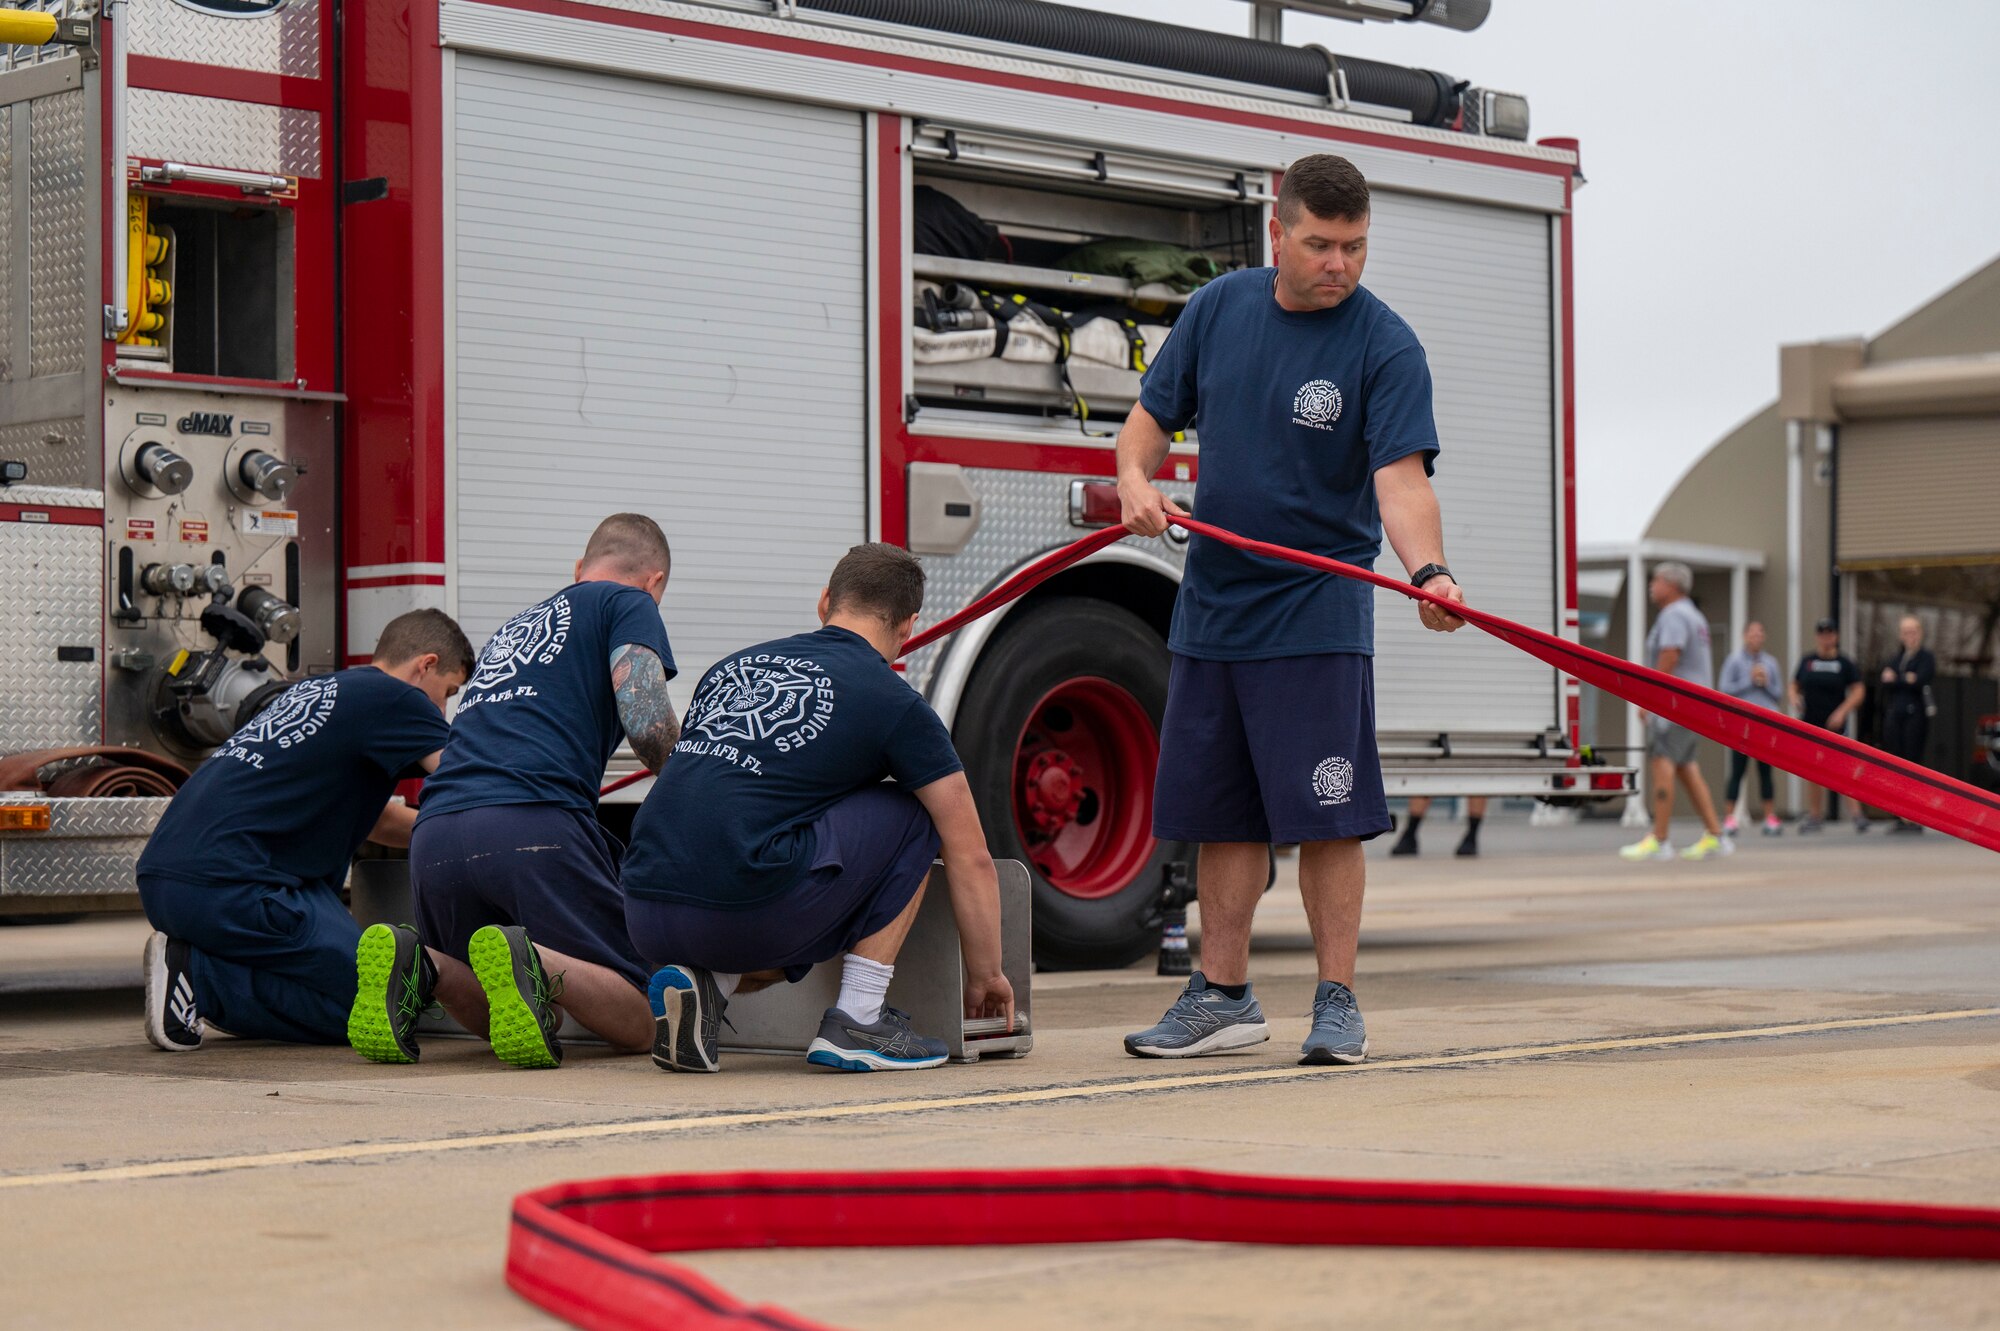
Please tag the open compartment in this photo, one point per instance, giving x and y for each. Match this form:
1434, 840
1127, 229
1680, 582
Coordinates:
1044, 276
220, 288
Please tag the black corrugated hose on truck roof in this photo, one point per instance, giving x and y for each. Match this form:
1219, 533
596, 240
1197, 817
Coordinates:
1431, 98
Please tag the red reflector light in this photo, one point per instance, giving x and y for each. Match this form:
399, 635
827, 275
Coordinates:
1094, 504
1607, 781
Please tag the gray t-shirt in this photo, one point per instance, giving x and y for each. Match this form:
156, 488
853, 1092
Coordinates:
1681, 625
1738, 682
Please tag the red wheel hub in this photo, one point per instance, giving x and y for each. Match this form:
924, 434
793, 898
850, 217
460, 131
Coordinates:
1083, 786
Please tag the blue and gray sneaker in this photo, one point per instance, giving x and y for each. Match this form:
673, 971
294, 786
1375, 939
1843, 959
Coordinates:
687, 1019
887, 1045
1202, 1021
1338, 1035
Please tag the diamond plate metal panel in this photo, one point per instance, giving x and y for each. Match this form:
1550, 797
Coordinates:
1023, 515
54, 496
286, 42
49, 600
6, 243
57, 454
208, 131
92, 848
58, 230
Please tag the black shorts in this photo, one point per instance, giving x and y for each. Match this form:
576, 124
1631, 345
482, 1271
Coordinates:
874, 849
1263, 751
551, 870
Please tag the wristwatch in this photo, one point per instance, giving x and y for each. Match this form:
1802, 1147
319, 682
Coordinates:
1427, 572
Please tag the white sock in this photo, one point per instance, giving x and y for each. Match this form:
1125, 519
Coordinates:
863, 986
726, 982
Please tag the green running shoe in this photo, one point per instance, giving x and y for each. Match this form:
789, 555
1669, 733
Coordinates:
520, 998
394, 984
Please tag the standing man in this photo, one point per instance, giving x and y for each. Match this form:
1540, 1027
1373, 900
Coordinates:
243, 875
1313, 400
516, 883
1678, 646
1751, 675
1906, 701
1825, 690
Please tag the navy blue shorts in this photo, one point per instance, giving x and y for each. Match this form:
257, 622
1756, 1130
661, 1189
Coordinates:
551, 870
1270, 751
874, 849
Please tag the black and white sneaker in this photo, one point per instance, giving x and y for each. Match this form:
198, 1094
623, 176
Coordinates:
687, 1019
172, 1023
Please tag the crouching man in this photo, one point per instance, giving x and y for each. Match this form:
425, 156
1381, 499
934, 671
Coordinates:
242, 877
516, 884
771, 843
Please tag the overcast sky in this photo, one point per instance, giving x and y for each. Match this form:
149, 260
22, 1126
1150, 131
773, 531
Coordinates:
1761, 171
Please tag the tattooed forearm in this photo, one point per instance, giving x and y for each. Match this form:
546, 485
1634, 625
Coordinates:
639, 682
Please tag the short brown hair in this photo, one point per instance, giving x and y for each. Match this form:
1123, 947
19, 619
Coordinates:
1324, 185
632, 543
878, 579
418, 632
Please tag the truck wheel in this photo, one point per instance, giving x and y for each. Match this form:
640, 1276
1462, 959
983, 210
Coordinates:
1060, 730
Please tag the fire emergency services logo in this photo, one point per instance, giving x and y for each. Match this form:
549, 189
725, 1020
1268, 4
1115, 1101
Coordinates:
533, 637
1317, 404
787, 700
1333, 780
299, 713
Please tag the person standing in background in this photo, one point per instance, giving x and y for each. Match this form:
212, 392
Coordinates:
1751, 674
1906, 701
1678, 646
1468, 845
1825, 690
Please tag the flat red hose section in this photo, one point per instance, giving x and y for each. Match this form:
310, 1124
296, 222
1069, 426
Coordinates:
583, 1250
1820, 755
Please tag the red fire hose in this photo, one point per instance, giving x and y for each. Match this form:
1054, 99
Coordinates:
99, 772
1823, 756
583, 1250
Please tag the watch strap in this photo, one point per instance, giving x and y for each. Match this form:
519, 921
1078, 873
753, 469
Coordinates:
1427, 572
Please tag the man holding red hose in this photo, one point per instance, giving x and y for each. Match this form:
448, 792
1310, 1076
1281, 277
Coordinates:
1313, 403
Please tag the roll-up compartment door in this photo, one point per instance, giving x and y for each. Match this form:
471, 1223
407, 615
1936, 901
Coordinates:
1920, 488
1474, 282
659, 307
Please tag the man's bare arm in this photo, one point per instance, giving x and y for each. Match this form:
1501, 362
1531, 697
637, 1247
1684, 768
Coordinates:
639, 683
1415, 528
1669, 658
1142, 447
394, 825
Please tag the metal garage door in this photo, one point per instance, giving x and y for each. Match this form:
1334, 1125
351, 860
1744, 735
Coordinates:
1475, 285
658, 299
1920, 488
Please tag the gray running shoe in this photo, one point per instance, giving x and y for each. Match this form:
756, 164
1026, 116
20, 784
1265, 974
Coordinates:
1202, 1021
522, 1017
1338, 1035
687, 1019
1808, 825
886, 1045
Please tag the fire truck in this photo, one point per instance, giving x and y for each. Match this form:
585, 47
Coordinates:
316, 311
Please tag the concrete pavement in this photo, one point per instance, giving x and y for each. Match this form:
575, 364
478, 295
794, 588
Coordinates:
1545, 1014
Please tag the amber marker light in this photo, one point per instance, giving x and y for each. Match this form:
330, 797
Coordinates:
24, 817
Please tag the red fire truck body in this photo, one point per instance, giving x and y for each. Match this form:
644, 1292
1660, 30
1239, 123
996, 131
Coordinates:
442, 282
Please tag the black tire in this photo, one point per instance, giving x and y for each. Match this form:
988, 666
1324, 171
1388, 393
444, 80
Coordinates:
1039, 647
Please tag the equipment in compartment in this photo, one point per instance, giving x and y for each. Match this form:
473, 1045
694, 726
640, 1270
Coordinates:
1090, 283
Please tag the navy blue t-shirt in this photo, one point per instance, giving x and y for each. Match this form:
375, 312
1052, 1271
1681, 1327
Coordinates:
775, 736
292, 794
537, 721
1296, 412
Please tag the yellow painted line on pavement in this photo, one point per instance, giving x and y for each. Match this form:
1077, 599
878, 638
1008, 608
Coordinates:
585, 1132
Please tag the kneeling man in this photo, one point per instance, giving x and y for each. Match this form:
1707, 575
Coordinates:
242, 877
770, 843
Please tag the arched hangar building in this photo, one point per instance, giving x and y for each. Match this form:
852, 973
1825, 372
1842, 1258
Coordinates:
1869, 490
